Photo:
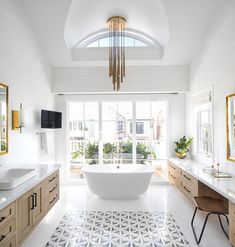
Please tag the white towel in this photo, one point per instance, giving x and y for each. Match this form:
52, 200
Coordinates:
43, 143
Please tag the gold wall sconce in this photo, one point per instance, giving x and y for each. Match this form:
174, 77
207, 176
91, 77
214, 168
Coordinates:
18, 119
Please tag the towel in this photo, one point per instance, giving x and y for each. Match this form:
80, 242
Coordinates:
43, 143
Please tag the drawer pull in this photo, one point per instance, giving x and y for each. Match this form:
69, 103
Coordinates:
2, 237
2, 219
53, 199
53, 189
50, 180
35, 200
187, 178
173, 177
173, 167
187, 189
32, 197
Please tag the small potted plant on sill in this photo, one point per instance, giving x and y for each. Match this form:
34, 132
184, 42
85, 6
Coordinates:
183, 146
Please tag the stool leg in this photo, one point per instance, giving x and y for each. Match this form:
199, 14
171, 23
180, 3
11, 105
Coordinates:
203, 228
221, 224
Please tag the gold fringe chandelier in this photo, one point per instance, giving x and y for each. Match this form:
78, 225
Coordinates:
116, 26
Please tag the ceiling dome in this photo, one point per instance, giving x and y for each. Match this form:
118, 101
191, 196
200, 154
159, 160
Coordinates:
88, 16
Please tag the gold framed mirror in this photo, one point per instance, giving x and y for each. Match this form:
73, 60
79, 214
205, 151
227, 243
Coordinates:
3, 118
230, 126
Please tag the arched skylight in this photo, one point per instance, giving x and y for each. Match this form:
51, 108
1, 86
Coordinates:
129, 42
133, 38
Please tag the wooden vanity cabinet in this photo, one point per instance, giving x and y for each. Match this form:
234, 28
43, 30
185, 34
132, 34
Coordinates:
8, 226
174, 174
38, 210
232, 223
188, 184
24, 212
30, 211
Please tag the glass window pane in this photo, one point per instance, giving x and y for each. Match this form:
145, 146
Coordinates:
125, 111
104, 42
109, 132
76, 111
142, 111
125, 154
129, 42
109, 111
91, 111
159, 149
139, 43
92, 152
143, 130
91, 130
143, 153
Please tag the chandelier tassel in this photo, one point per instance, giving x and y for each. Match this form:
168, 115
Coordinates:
116, 25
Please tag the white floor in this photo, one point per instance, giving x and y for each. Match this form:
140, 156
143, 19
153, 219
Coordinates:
158, 198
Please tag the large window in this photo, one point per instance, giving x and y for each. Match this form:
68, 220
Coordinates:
117, 132
128, 42
203, 128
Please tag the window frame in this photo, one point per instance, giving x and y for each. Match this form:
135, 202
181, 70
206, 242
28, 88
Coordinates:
202, 103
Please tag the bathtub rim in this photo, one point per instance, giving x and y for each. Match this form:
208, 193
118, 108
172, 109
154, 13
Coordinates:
150, 169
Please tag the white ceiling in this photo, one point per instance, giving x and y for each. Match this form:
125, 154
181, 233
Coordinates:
179, 25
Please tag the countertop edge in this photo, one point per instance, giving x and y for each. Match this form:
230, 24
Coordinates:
181, 166
34, 182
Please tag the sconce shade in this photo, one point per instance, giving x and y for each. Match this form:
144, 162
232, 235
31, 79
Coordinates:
22, 113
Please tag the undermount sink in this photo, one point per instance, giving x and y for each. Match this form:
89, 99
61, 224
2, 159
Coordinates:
11, 178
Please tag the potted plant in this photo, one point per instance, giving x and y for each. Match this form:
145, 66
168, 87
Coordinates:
108, 150
91, 150
125, 149
144, 152
183, 146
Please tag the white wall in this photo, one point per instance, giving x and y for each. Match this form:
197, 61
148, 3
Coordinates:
28, 77
214, 66
138, 79
177, 120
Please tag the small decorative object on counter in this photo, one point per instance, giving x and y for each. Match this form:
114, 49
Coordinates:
183, 146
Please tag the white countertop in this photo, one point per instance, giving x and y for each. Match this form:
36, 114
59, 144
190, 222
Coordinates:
42, 171
224, 186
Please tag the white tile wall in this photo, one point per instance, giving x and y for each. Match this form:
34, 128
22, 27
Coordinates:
23, 69
214, 66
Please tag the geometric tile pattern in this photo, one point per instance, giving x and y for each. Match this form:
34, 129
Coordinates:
117, 229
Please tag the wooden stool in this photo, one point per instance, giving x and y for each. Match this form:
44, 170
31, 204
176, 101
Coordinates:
212, 206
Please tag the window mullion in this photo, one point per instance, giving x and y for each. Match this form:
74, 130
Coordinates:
134, 132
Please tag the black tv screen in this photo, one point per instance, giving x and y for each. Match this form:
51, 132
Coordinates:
51, 119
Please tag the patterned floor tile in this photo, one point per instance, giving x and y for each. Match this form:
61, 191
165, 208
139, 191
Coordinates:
117, 229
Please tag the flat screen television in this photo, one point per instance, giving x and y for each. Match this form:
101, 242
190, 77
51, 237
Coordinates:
51, 119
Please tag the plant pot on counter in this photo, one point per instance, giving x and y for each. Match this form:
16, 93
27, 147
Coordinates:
181, 155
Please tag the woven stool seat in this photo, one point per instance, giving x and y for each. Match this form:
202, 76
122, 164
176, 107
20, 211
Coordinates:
210, 204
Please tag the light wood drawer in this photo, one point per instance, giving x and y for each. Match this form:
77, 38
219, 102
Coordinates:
11, 242
188, 189
50, 202
173, 167
232, 210
188, 178
51, 179
174, 178
7, 232
51, 188
232, 231
7, 214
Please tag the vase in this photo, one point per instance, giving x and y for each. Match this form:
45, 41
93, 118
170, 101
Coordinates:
181, 155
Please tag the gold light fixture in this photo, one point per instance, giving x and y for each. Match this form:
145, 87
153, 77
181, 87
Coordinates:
116, 26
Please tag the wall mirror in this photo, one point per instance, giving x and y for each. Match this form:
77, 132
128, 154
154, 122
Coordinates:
3, 118
230, 128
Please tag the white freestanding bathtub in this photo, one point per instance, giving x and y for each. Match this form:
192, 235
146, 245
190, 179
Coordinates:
123, 181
